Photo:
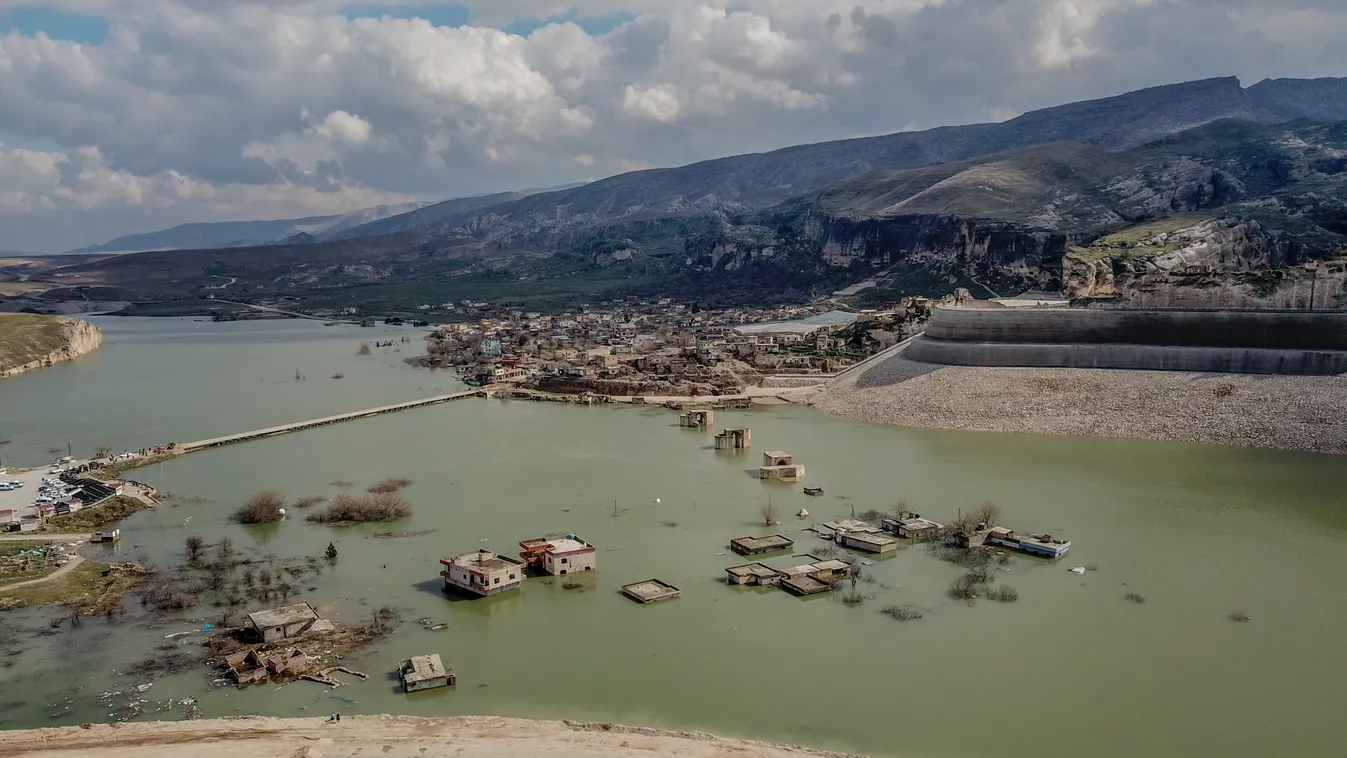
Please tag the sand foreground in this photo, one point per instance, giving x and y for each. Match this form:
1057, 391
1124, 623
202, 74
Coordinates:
379, 737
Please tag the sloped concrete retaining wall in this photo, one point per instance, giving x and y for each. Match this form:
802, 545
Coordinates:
1233, 342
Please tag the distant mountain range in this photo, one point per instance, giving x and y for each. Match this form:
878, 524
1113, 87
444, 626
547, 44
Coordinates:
994, 203
245, 233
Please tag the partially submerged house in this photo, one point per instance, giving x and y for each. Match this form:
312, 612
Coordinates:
696, 419
754, 574
482, 573
286, 622
779, 465
734, 439
911, 526
290, 662
649, 591
425, 672
246, 667
805, 585
1043, 545
757, 545
868, 541
559, 554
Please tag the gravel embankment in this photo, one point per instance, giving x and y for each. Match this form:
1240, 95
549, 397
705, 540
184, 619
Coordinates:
1287, 412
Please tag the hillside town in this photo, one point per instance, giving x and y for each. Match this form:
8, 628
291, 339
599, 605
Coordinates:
636, 347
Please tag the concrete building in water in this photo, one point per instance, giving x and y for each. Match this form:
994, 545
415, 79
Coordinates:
559, 554
734, 439
286, 622
482, 573
780, 465
425, 672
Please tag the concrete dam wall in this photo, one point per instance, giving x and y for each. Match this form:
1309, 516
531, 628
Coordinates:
1228, 341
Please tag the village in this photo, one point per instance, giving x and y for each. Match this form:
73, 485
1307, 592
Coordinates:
661, 347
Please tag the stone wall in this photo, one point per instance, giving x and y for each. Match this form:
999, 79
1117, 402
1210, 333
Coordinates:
1237, 342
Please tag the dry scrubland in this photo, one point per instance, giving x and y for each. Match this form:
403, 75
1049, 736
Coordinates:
1287, 412
390, 736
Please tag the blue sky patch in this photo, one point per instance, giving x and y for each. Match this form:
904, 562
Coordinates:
57, 24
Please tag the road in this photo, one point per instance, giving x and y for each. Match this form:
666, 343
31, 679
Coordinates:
70, 565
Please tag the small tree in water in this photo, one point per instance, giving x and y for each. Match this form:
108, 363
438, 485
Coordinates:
331, 552
195, 546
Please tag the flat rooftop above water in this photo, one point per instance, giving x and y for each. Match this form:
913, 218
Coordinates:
650, 590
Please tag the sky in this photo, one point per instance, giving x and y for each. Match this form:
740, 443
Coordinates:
123, 116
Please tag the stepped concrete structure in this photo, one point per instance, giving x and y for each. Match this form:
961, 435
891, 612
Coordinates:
1192, 340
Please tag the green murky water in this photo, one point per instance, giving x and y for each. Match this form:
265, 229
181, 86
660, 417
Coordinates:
1071, 669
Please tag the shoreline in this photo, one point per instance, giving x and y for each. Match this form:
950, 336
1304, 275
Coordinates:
387, 735
1277, 412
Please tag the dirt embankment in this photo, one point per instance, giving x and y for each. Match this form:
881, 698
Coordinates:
29, 341
390, 736
1307, 413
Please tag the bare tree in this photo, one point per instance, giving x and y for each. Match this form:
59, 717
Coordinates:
194, 546
103, 451
226, 551
988, 514
768, 513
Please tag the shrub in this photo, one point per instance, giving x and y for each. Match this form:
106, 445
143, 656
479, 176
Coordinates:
982, 575
1003, 594
309, 500
363, 349
901, 613
348, 509
261, 508
391, 484
1135, 597
963, 588
1240, 617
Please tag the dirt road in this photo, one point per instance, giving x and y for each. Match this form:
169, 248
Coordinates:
45, 537
382, 736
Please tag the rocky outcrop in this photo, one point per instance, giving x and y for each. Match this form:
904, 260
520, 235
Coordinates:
1218, 262
33, 345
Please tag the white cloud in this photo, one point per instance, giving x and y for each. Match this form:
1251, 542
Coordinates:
219, 108
658, 103
344, 129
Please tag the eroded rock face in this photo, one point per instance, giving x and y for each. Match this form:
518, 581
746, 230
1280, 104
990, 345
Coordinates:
1227, 263
77, 338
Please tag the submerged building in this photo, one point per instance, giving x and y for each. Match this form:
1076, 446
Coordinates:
482, 573
559, 554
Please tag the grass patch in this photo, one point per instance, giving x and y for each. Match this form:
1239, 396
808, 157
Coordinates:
90, 589
112, 510
1137, 241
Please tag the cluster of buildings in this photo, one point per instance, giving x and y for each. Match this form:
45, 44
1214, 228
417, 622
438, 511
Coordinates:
649, 340
483, 573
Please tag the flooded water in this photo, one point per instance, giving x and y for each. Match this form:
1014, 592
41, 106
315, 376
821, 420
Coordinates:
1072, 668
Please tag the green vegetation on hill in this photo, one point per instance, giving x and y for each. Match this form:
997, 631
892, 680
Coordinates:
25, 338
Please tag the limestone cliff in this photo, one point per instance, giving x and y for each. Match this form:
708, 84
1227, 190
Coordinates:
1204, 262
29, 341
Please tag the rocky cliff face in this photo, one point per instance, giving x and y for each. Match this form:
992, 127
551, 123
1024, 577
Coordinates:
1217, 262
72, 339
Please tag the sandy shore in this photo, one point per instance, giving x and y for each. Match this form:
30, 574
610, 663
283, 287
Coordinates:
384, 736
1306, 413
